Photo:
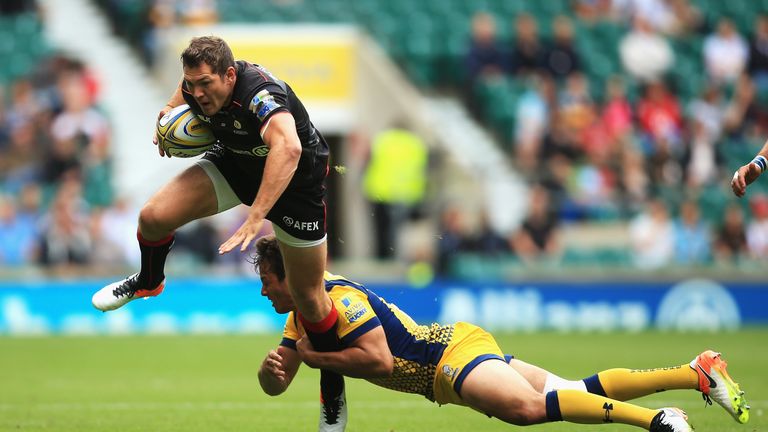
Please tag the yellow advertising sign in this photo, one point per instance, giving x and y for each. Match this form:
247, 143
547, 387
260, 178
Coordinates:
320, 70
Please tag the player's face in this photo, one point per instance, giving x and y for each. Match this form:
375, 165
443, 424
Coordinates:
275, 290
210, 90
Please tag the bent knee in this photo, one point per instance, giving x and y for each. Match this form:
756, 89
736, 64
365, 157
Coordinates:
525, 414
153, 219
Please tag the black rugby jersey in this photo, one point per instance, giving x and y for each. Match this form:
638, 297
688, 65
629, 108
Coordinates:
256, 97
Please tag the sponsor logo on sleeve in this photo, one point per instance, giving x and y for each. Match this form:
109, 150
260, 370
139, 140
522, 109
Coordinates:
262, 104
355, 311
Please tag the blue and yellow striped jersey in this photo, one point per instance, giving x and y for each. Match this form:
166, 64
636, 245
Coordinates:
417, 349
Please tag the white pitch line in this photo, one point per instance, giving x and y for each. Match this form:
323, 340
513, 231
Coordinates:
57, 406
234, 406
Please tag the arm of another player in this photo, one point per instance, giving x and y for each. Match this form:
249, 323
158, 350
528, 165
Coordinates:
749, 172
176, 99
367, 357
278, 369
279, 134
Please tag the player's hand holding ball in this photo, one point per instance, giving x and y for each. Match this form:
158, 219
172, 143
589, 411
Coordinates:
181, 133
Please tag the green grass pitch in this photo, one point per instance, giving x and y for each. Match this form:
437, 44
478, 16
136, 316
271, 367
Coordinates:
208, 383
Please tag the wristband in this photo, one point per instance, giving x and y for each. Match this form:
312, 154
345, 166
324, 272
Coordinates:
760, 161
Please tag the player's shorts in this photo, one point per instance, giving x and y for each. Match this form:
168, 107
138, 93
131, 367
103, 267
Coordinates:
298, 216
469, 347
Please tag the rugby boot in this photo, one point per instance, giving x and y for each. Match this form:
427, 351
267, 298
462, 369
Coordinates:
715, 383
333, 413
117, 294
670, 420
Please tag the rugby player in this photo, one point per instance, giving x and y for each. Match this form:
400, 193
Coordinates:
269, 156
462, 364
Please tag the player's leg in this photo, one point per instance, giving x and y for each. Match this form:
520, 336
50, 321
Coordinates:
496, 389
626, 384
304, 269
620, 384
188, 196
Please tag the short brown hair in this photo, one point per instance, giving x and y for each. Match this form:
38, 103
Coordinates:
268, 253
211, 50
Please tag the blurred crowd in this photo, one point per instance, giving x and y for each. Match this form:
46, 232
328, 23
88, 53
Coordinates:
649, 148
648, 143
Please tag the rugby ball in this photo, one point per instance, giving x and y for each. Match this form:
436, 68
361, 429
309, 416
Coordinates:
182, 134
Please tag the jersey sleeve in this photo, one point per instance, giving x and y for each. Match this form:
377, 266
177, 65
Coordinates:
356, 316
290, 332
266, 101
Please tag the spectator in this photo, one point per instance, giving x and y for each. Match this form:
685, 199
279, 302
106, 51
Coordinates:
66, 239
104, 251
743, 117
531, 119
453, 239
757, 230
394, 183
19, 164
708, 111
562, 58
527, 49
576, 108
692, 236
79, 118
539, 237
657, 13
617, 111
198, 12
634, 178
484, 57
659, 118
652, 235
758, 53
645, 54
725, 53
17, 235
701, 161
488, 242
731, 238
687, 19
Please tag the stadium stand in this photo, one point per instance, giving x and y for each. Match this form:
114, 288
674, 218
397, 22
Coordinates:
596, 151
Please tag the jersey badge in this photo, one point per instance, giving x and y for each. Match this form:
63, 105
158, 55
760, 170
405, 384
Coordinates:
262, 104
238, 125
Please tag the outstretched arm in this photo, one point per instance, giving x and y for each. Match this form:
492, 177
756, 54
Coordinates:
750, 172
278, 369
367, 357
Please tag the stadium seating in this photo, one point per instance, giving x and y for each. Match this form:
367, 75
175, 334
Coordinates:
21, 45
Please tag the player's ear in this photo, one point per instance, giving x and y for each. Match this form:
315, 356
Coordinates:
230, 75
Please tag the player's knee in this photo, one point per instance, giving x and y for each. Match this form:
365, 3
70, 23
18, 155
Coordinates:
151, 220
526, 413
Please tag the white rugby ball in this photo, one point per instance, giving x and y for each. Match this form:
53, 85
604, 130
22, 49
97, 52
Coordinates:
182, 134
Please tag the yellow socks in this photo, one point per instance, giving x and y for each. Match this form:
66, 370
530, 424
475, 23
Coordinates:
579, 407
626, 384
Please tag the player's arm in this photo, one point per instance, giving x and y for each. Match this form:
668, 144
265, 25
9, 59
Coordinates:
750, 172
368, 356
278, 369
279, 134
